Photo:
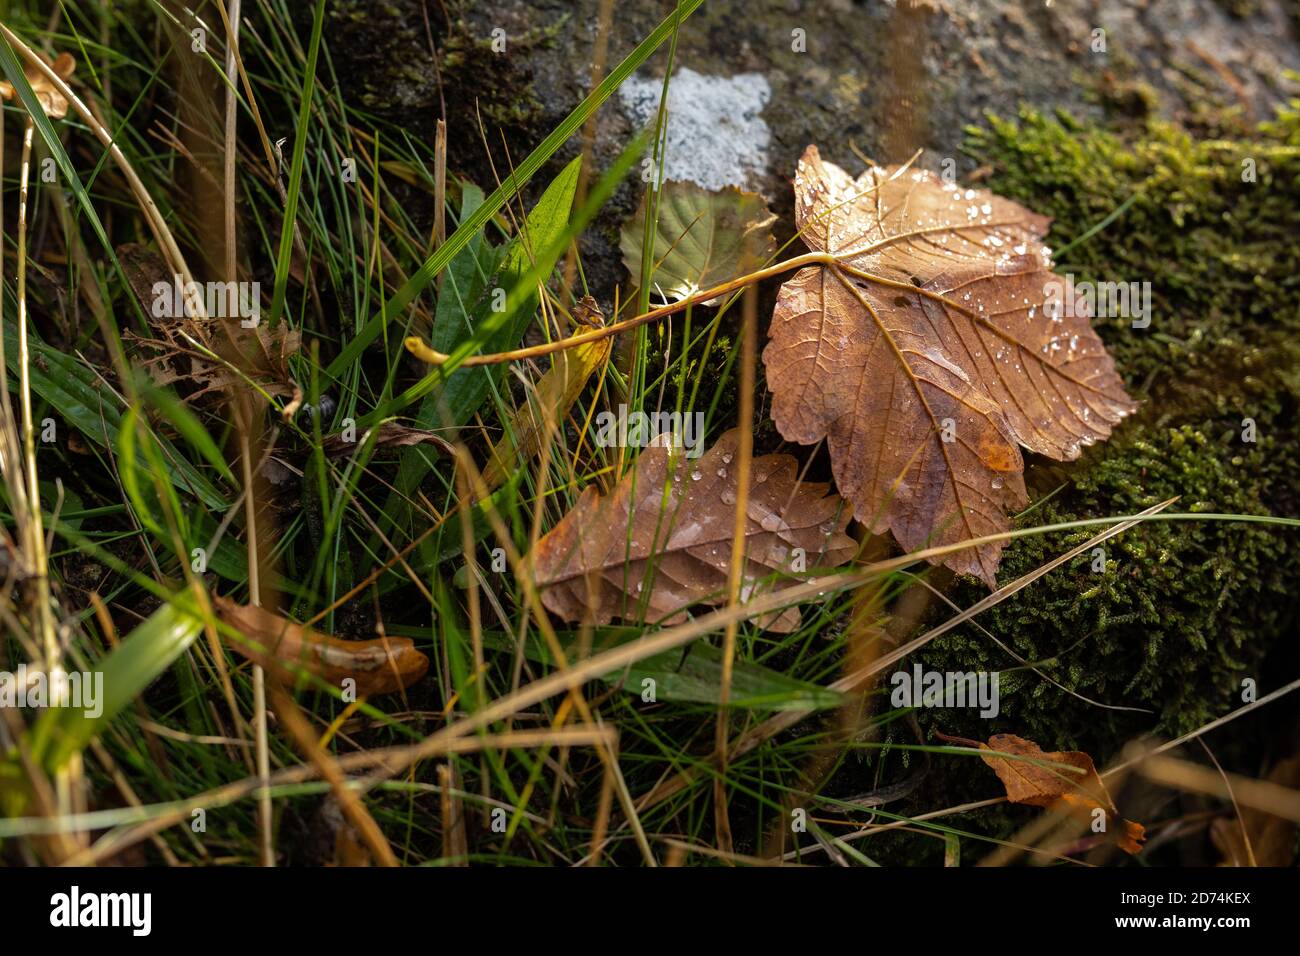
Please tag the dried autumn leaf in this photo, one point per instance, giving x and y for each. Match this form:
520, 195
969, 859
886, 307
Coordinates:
927, 352
380, 666
182, 343
702, 238
386, 435
1073, 782
54, 103
662, 539
1272, 838
262, 355
556, 391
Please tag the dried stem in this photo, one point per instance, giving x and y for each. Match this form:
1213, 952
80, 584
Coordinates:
33, 533
10, 456
263, 757
735, 573
421, 351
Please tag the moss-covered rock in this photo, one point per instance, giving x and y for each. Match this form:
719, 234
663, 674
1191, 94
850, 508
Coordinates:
382, 57
1184, 610
1210, 224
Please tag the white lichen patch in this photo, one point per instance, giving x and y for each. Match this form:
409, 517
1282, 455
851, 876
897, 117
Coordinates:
716, 133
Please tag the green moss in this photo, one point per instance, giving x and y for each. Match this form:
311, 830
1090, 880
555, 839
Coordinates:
1185, 610
1217, 248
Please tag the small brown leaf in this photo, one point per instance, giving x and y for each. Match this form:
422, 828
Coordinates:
554, 395
389, 435
261, 354
380, 666
1073, 783
929, 351
54, 103
661, 540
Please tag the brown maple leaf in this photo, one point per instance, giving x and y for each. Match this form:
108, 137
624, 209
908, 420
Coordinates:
661, 540
928, 351
1071, 784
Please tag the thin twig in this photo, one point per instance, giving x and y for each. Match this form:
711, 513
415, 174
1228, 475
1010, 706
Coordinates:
33, 531
735, 572
422, 351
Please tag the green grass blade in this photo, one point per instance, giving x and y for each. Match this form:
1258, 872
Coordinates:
507, 190
145, 653
695, 679
295, 169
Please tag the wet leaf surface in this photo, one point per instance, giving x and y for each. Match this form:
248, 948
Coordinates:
662, 540
930, 351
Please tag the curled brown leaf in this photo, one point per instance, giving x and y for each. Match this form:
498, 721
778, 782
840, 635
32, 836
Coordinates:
380, 666
1066, 778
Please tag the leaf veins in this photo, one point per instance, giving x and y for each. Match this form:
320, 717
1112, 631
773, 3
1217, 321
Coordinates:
1066, 778
929, 350
661, 540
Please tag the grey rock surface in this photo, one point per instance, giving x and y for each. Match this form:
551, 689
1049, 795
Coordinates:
890, 76
756, 82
